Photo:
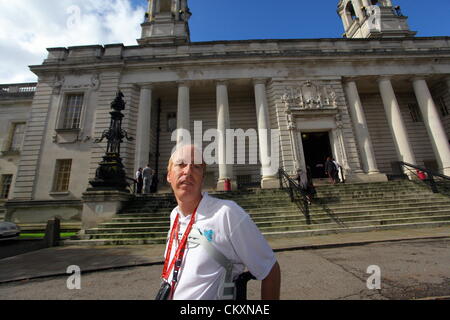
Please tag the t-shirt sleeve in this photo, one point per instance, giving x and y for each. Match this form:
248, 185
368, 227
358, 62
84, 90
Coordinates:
251, 247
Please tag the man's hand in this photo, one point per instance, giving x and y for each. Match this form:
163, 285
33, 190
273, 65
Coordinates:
270, 287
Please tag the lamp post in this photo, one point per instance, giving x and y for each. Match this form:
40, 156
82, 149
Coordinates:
110, 175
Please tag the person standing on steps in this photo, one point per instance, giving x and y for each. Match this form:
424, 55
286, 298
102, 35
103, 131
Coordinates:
211, 241
331, 170
140, 181
147, 174
338, 170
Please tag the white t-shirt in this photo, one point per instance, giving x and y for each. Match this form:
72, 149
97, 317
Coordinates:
231, 231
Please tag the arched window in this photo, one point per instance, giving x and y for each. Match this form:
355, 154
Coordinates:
350, 11
375, 2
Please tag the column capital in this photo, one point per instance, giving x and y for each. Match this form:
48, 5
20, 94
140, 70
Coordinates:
260, 81
384, 78
349, 80
148, 86
184, 83
222, 82
419, 77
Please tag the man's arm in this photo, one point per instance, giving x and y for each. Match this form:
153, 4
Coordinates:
270, 287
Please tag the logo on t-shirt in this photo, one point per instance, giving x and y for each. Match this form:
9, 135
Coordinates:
209, 235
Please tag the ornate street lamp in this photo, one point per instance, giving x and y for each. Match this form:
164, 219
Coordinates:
110, 174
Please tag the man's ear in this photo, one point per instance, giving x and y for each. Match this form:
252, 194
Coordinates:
168, 177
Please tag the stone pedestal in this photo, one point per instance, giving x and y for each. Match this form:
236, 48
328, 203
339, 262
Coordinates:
101, 206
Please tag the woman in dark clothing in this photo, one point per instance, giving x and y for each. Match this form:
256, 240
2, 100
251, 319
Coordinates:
331, 170
140, 181
154, 184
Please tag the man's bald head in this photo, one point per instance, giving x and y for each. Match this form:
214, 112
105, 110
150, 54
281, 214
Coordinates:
187, 154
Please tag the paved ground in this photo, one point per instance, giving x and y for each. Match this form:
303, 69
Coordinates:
327, 267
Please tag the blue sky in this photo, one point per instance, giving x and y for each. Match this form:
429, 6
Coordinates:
28, 27
284, 19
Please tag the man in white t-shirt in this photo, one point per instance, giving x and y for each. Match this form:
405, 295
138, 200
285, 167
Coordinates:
225, 225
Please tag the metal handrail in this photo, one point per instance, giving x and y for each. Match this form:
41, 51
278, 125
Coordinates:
430, 175
132, 189
295, 193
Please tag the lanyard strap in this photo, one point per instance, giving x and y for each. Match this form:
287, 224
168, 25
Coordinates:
179, 254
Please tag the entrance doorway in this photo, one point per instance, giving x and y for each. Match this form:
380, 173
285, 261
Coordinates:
316, 148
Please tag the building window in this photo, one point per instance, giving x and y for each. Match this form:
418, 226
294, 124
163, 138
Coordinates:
62, 175
6, 181
17, 137
171, 122
443, 106
414, 111
73, 105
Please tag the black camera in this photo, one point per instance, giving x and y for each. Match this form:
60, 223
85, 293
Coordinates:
164, 291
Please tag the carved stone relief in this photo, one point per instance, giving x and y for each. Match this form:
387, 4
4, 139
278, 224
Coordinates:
309, 96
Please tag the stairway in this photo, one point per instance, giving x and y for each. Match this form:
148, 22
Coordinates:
336, 209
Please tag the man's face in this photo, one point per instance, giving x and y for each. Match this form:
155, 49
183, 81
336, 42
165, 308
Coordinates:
185, 176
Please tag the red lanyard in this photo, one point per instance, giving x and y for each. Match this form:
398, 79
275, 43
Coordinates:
179, 254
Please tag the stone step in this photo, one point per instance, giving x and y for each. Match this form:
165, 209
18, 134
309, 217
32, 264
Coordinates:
274, 221
276, 212
268, 235
289, 215
336, 209
315, 207
361, 210
250, 204
365, 228
114, 242
41, 227
286, 225
372, 222
317, 219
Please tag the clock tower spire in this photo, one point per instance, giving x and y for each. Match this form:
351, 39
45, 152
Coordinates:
373, 19
166, 21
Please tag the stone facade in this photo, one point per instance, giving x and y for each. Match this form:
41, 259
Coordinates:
362, 92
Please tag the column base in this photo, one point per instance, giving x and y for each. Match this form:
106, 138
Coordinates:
221, 185
270, 183
446, 171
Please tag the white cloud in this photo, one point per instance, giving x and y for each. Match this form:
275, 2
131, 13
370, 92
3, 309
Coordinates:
28, 27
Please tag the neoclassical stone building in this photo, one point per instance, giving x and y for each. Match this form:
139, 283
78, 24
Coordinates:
377, 96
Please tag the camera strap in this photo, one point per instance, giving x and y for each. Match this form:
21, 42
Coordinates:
179, 254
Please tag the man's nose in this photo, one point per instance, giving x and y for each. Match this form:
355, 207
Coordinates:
188, 168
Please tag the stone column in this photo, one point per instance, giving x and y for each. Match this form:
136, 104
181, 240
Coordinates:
143, 128
223, 123
389, 3
183, 114
395, 121
359, 12
366, 3
345, 21
269, 179
432, 121
362, 132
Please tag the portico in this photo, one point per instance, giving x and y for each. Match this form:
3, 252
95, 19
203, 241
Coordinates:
409, 113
